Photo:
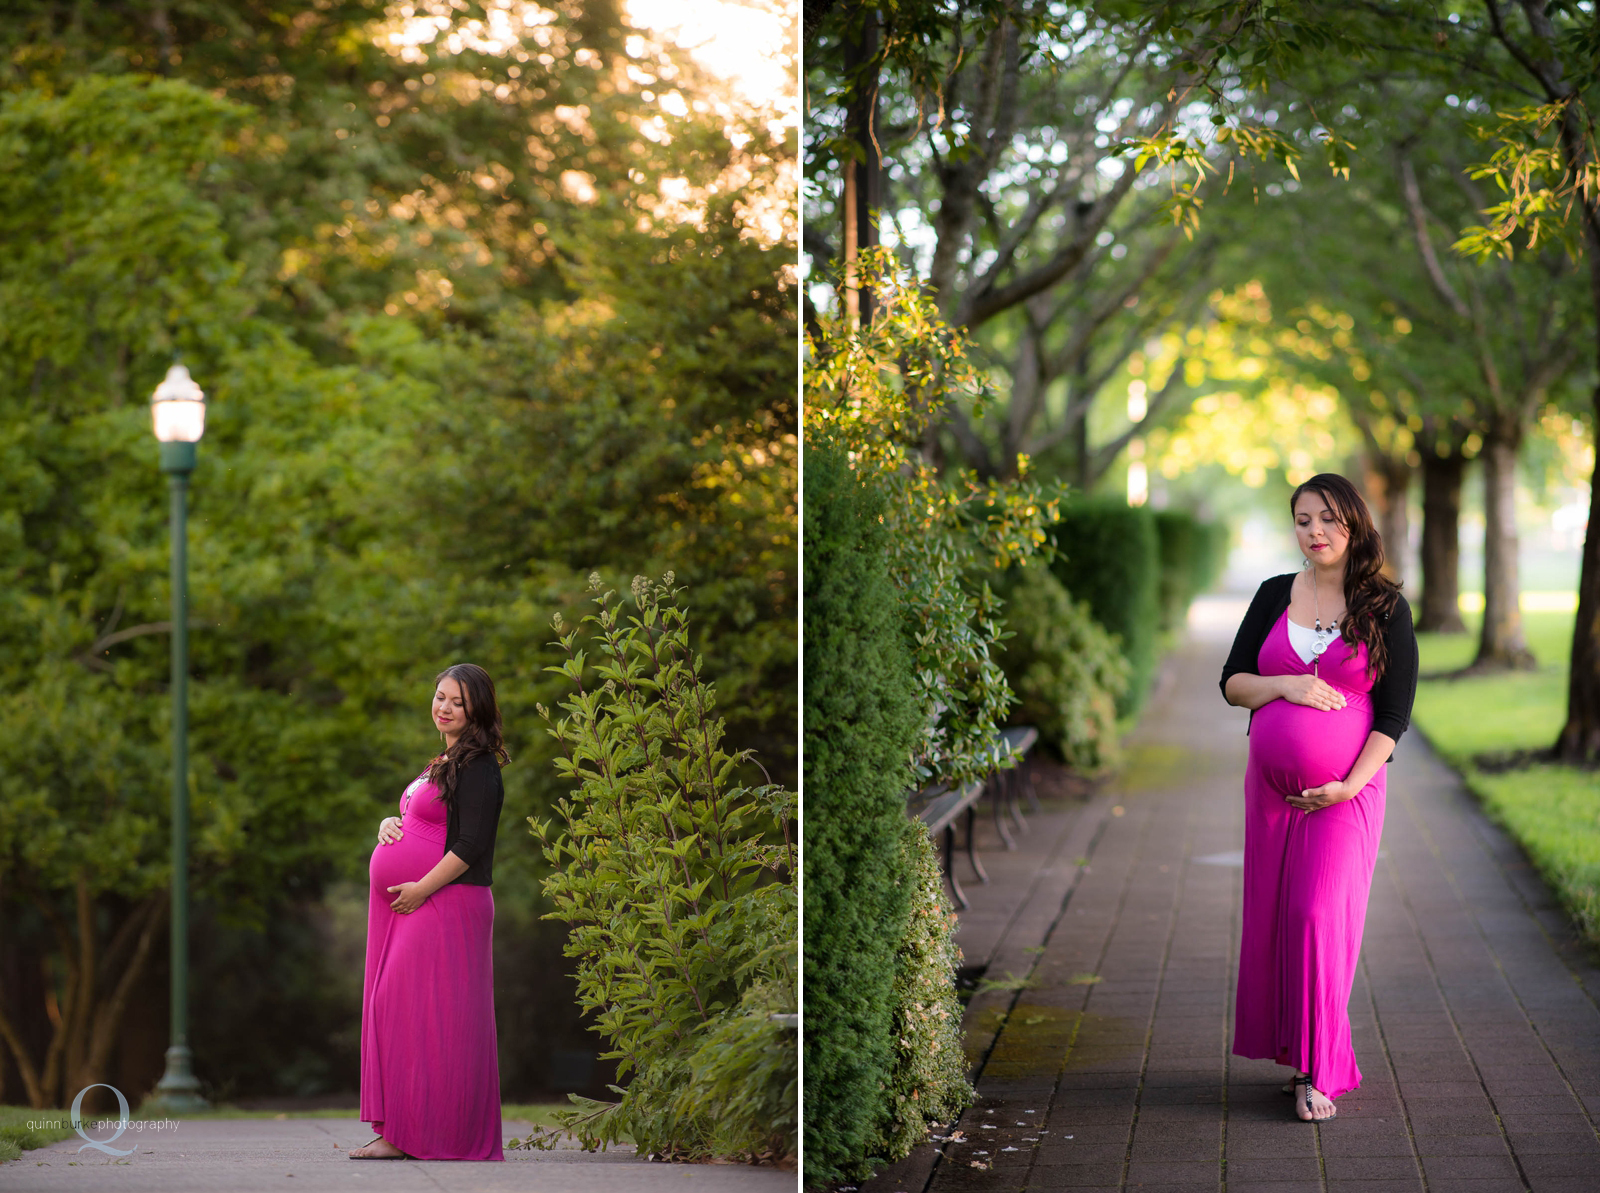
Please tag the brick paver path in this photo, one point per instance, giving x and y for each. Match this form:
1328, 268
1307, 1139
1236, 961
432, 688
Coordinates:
1474, 1012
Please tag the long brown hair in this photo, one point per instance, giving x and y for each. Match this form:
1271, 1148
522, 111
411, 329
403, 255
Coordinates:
482, 732
1369, 595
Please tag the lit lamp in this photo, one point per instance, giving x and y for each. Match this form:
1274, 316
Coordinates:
178, 415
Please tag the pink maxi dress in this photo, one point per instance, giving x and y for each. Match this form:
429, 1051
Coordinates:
430, 1073
1306, 875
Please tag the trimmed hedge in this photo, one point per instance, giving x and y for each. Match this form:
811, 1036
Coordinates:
1064, 667
861, 721
930, 1083
1110, 556
1192, 557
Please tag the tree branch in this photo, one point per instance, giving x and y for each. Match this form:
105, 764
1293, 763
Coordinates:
90, 658
978, 307
1419, 227
25, 1065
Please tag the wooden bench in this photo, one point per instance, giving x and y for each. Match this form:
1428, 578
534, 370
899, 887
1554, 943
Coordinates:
1005, 783
937, 807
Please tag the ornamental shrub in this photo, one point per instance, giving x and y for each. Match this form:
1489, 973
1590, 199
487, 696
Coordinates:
1067, 670
929, 1080
861, 720
1109, 555
683, 908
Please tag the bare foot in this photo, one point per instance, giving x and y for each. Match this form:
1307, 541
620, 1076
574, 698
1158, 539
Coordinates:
1322, 1108
379, 1149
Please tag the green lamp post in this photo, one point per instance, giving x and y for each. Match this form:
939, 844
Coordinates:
178, 412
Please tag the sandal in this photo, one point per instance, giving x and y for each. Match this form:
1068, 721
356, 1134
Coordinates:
369, 1143
1306, 1081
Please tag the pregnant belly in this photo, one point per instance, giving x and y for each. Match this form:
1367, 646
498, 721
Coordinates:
1296, 747
407, 860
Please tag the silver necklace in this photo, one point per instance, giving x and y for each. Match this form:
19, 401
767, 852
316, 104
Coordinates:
1324, 637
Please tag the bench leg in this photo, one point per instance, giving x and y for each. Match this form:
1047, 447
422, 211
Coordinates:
1014, 800
1033, 791
972, 843
950, 866
997, 797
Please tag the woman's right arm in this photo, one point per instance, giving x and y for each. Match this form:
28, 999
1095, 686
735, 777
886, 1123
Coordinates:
1247, 690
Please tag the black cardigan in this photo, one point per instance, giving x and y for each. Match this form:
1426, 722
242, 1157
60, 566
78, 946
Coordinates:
1395, 689
473, 818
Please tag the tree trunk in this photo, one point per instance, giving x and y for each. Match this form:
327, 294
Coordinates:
1441, 543
1579, 742
862, 170
1389, 481
88, 1021
1501, 645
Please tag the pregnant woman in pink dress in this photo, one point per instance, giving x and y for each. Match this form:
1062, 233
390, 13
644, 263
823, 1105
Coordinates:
1326, 661
430, 1075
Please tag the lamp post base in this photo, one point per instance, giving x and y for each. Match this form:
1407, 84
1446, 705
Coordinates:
178, 1091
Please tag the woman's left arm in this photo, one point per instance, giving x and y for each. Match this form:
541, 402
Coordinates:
414, 894
476, 811
1373, 755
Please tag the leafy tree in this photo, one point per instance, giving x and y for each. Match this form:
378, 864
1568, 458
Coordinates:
1439, 352
351, 243
1547, 164
1026, 225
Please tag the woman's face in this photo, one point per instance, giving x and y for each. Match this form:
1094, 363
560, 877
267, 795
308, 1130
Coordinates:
1323, 540
449, 707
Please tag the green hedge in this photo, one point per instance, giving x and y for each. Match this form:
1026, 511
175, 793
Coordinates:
1192, 557
861, 722
1110, 556
1064, 667
929, 1082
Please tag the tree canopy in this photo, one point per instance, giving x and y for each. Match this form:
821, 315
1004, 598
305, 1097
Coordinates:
476, 314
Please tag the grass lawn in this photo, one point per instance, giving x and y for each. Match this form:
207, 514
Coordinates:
1554, 811
23, 1127
51, 1126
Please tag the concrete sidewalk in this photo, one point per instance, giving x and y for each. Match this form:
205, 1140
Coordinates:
310, 1155
1474, 1012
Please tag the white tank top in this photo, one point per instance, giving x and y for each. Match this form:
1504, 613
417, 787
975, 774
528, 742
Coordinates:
1303, 638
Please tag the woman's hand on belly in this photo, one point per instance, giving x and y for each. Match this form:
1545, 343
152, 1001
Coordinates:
1321, 797
1373, 755
1312, 692
412, 896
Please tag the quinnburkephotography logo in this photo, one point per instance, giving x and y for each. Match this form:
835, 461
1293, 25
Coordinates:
122, 1124
122, 1106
